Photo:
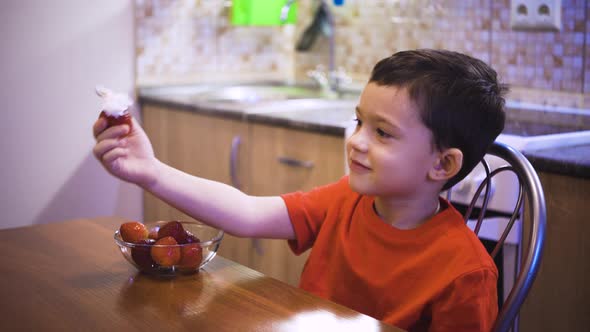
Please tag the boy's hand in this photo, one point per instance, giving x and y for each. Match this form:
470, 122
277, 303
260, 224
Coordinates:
125, 154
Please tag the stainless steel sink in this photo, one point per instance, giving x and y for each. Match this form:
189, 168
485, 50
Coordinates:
245, 95
254, 94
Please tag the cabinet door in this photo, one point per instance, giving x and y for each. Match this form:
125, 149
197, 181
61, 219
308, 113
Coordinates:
286, 160
561, 287
156, 123
202, 145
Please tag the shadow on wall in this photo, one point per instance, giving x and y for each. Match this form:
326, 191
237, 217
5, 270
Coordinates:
92, 192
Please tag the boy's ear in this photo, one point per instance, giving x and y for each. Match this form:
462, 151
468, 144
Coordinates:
447, 165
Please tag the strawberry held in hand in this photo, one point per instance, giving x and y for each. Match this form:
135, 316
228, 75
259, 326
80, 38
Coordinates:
115, 107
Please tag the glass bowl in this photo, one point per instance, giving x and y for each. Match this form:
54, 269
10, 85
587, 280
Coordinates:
172, 259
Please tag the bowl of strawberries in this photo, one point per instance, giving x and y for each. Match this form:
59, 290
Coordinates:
168, 248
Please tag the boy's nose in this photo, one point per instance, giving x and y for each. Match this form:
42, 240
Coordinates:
358, 141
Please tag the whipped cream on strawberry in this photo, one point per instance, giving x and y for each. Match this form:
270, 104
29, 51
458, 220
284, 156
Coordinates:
113, 104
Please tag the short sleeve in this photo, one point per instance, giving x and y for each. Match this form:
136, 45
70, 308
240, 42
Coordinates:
308, 210
469, 303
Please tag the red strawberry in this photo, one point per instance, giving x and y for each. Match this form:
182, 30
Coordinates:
141, 255
166, 252
117, 120
133, 231
174, 229
192, 255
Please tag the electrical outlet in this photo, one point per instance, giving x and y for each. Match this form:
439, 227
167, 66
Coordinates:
536, 15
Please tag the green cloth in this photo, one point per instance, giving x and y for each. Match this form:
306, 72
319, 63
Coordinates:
261, 12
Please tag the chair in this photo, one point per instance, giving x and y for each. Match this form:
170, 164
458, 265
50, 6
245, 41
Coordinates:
529, 186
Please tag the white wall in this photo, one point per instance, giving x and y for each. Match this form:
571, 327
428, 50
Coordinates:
52, 54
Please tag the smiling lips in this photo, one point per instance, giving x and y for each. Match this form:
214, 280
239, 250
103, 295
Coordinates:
357, 167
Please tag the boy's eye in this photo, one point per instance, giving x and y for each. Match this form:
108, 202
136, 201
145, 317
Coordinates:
358, 122
383, 134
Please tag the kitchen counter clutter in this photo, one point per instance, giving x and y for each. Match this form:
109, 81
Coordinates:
332, 117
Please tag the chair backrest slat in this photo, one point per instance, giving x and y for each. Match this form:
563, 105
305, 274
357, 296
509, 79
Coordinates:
537, 217
529, 186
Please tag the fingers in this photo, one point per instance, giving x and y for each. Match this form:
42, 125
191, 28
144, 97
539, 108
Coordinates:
137, 129
99, 125
112, 155
112, 132
106, 145
101, 130
113, 161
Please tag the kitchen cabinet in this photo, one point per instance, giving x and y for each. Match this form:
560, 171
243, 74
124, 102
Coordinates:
200, 145
271, 160
284, 160
559, 299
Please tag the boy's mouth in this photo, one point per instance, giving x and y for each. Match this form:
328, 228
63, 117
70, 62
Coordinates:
357, 167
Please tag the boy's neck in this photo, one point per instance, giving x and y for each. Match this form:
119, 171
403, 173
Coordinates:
406, 215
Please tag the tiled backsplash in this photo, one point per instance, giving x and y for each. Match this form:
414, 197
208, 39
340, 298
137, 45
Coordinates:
181, 41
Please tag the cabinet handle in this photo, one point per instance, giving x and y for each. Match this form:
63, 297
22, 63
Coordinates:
295, 162
257, 245
233, 162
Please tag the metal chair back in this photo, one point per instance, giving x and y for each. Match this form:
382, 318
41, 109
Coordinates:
536, 217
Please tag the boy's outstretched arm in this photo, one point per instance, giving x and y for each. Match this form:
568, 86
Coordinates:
130, 157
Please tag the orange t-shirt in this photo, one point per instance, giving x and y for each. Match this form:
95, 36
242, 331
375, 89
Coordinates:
436, 277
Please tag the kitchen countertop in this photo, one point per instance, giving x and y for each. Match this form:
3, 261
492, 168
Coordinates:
571, 161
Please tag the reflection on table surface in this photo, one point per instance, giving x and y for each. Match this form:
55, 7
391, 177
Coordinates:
71, 276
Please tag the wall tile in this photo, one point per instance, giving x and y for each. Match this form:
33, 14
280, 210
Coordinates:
369, 31
548, 61
192, 40
182, 41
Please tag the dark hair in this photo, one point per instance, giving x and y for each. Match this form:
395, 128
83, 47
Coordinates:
459, 98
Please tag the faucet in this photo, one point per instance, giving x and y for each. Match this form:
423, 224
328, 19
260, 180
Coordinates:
285, 10
332, 79
321, 77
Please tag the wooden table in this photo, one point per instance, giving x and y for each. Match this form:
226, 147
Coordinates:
70, 276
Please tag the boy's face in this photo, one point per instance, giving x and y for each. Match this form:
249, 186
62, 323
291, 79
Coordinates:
390, 152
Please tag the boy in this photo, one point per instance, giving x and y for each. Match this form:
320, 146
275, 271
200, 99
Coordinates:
384, 242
